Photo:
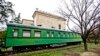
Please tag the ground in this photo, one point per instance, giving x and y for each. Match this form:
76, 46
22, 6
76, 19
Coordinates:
94, 50
89, 54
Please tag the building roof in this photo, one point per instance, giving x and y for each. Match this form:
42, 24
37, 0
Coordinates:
30, 26
47, 14
27, 20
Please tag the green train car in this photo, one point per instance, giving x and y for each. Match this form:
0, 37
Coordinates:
18, 35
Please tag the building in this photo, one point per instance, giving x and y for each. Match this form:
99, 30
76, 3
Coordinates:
48, 20
28, 22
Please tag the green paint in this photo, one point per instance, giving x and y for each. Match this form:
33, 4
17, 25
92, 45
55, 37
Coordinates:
32, 33
9, 32
55, 34
25, 41
20, 32
34, 41
44, 34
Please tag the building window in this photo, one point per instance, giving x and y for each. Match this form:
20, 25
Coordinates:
59, 26
15, 33
52, 27
39, 25
37, 33
26, 33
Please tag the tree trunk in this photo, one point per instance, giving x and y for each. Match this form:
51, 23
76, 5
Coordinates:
85, 45
95, 41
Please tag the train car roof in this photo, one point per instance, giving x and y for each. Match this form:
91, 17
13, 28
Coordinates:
30, 26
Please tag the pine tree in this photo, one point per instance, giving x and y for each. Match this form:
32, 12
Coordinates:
17, 19
5, 8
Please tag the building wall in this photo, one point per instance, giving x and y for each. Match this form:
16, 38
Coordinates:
48, 21
28, 22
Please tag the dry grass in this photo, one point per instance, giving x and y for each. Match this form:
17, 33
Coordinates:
64, 51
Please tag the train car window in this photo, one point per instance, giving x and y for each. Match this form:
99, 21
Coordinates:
52, 34
48, 34
75, 35
78, 35
26, 33
64, 35
15, 32
72, 35
59, 34
37, 33
69, 35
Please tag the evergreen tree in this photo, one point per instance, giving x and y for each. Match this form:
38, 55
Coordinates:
17, 19
5, 8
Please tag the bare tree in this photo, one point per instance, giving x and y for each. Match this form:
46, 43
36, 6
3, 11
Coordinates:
85, 14
96, 34
76, 29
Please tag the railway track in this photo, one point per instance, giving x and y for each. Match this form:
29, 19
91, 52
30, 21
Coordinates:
8, 53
